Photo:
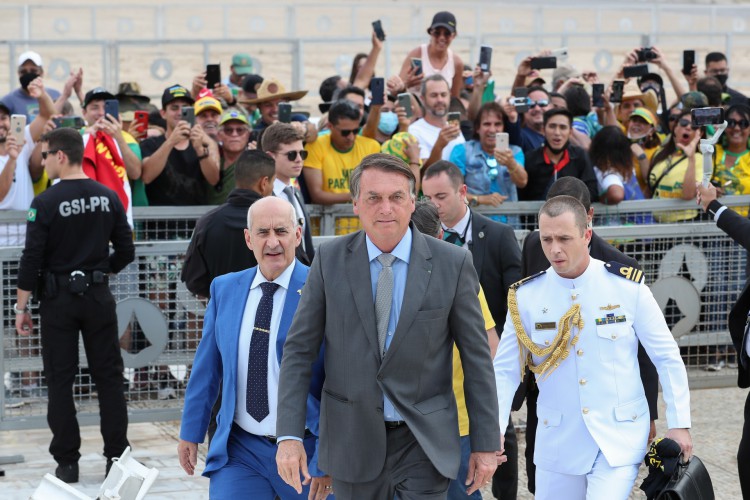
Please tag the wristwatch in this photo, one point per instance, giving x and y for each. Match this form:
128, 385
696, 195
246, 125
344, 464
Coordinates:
473, 200
17, 310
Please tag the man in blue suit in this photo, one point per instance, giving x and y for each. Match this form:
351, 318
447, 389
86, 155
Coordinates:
244, 331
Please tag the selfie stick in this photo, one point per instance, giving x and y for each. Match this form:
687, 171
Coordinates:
707, 150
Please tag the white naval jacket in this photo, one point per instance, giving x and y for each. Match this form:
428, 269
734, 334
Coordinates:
594, 400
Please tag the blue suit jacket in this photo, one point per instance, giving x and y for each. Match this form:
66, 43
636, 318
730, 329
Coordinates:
216, 361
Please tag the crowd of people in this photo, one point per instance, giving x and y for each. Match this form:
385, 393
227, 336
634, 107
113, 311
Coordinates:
435, 130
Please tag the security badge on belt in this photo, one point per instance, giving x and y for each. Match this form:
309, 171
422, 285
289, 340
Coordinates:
610, 319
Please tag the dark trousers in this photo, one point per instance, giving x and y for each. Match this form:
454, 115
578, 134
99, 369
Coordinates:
408, 474
505, 479
93, 314
531, 422
743, 454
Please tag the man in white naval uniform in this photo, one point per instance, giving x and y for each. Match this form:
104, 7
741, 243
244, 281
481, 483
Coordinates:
577, 326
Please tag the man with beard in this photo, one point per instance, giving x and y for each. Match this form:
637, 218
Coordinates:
234, 136
717, 66
556, 158
436, 136
21, 101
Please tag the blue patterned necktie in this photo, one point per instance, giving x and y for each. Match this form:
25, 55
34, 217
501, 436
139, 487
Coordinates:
256, 401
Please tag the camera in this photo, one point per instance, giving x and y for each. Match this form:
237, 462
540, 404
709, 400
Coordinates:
646, 54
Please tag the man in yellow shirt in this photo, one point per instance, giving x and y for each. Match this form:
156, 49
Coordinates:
427, 221
332, 158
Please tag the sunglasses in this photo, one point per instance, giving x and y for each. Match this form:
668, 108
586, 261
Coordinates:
292, 155
345, 133
674, 118
743, 124
684, 122
234, 130
50, 152
438, 32
541, 103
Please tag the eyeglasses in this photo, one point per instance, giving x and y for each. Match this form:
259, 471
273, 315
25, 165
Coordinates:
292, 155
50, 152
684, 122
541, 103
438, 32
345, 133
234, 130
743, 124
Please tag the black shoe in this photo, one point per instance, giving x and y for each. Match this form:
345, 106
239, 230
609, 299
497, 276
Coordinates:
109, 466
67, 473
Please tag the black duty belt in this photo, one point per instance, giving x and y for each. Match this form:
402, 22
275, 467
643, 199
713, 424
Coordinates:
394, 424
79, 281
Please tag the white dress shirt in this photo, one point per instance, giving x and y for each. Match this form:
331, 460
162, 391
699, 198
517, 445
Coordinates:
462, 227
267, 427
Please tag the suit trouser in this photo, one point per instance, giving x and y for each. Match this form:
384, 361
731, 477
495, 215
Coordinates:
408, 474
251, 472
505, 479
93, 314
743, 453
601, 482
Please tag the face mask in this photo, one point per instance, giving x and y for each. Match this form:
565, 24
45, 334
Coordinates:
722, 79
26, 78
388, 122
635, 139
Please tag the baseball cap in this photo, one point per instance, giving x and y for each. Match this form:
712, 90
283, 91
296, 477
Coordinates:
207, 102
173, 93
233, 114
97, 94
564, 72
242, 64
644, 113
445, 20
32, 56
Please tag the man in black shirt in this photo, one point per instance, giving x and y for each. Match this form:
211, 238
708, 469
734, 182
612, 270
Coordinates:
178, 166
218, 243
69, 228
556, 158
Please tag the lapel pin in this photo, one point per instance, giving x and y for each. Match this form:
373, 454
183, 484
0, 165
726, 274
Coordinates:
481, 234
544, 310
299, 291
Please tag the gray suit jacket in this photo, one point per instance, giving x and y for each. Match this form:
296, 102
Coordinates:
439, 308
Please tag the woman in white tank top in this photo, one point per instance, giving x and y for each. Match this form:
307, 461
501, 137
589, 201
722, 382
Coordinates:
436, 56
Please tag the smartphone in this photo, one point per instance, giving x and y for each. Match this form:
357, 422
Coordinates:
561, 53
417, 64
597, 95
502, 142
112, 107
688, 60
520, 99
377, 27
377, 89
707, 116
544, 62
188, 115
635, 70
213, 75
69, 122
285, 112
454, 117
17, 126
404, 100
141, 118
485, 58
617, 87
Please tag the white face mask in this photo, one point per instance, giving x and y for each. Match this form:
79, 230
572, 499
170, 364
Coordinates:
634, 138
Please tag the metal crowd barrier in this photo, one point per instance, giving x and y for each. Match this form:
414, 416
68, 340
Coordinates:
693, 269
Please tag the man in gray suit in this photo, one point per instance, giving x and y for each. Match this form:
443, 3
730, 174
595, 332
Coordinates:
388, 421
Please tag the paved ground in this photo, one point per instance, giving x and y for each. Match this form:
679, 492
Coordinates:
717, 420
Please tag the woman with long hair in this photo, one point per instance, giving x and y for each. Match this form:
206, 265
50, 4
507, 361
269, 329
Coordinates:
732, 157
612, 156
676, 168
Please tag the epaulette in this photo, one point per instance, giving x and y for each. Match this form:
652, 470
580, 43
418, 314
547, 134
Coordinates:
517, 284
623, 271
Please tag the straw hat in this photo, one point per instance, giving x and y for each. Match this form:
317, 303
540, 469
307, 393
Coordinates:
631, 92
272, 89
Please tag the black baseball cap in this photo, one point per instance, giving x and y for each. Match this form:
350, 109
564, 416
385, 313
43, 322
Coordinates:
445, 20
651, 77
175, 92
97, 94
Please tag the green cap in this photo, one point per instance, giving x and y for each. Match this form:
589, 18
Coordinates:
242, 64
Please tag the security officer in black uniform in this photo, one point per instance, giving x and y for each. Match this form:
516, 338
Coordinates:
69, 228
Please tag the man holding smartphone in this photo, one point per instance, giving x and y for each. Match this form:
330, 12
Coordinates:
109, 157
177, 165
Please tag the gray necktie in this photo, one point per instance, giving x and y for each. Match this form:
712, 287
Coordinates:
383, 298
289, 192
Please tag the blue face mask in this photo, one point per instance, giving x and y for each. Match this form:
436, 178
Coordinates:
388, 122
